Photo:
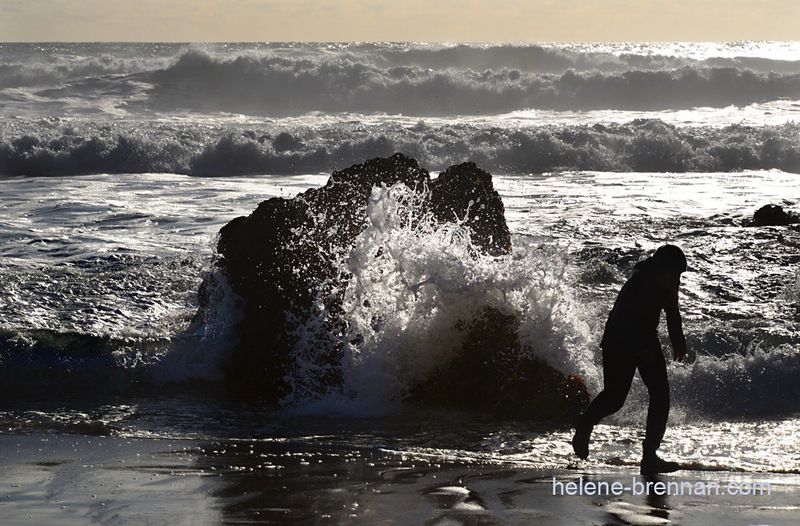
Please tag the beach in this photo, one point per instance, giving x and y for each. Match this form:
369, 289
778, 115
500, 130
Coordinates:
77, 479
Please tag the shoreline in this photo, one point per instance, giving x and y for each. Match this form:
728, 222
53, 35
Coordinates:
72, 479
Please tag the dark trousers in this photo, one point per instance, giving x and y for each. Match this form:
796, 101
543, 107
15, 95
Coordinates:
619, 367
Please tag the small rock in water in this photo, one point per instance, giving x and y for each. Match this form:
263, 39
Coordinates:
774, 215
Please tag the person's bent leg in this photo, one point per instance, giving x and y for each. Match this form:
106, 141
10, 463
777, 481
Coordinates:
618, 371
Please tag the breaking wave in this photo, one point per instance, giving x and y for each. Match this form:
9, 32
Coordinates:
279, 80
281, 86
62, 148
110, 325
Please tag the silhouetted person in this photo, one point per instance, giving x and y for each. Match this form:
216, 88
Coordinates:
630, 342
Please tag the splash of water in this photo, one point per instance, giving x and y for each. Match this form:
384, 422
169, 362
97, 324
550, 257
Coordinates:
414, 287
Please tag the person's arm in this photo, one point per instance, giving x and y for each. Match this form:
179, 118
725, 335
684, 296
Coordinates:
675, 326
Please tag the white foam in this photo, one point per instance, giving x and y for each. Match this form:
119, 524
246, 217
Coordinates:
414, 285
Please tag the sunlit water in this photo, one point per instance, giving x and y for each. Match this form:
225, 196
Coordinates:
119, 258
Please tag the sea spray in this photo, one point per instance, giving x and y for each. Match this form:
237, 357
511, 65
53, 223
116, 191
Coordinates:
201, 351
415, 288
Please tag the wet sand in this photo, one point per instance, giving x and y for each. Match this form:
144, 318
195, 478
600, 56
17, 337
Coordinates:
66, 479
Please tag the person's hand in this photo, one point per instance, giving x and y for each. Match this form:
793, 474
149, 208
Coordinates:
680, 353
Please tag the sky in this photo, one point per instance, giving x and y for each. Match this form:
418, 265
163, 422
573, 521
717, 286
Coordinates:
399, 20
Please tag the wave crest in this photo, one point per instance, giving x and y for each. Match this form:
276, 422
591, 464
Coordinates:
640, 145
280, 86
417, 80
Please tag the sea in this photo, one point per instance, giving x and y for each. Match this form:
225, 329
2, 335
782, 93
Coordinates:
120, 162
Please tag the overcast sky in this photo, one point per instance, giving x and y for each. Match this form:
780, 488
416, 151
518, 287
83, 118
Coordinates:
398, 20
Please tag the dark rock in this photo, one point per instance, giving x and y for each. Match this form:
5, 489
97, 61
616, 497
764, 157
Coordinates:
774, 215
282, 260
494, 374
465, 193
